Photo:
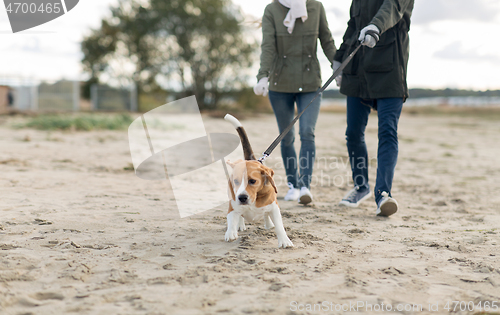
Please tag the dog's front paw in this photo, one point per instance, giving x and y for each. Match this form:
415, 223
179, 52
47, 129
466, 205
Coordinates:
284, 242
241, 226
231, 235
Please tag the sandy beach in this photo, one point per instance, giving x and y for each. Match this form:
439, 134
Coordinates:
81, 234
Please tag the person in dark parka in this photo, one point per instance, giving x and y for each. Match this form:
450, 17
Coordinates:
374, 79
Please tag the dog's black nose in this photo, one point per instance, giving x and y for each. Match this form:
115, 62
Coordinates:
243, 198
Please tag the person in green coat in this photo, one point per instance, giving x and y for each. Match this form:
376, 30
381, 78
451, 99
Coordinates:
290, 73
374, 79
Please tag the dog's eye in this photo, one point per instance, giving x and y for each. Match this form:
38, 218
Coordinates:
252, 181
236, 182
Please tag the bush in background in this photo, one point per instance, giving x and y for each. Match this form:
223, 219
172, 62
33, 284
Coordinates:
79, 122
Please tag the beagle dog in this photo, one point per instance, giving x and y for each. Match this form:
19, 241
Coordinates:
253, 193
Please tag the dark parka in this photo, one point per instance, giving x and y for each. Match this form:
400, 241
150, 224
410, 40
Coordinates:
378, 72
289, 60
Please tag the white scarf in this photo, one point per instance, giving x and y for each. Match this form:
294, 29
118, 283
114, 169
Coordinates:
297, 10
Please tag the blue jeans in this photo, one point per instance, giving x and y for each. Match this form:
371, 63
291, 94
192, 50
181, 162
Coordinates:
389, 110
284, 108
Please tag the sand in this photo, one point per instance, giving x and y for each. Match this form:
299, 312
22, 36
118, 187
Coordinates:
80, 233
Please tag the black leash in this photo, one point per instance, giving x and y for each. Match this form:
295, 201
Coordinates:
273, 146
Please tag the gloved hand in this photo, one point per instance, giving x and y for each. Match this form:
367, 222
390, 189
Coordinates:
369, 36
262, 88
335, 66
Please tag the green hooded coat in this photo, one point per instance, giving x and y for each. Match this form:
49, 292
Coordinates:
289, 60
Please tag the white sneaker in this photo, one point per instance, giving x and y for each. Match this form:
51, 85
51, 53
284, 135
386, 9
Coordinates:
305, 196
292, 194
387, 205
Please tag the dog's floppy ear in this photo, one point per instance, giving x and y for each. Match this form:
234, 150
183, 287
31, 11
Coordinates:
268, 174
232, 164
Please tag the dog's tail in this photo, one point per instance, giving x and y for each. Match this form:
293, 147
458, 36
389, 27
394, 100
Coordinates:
247, 148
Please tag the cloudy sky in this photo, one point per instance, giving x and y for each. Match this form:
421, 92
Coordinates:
454, 43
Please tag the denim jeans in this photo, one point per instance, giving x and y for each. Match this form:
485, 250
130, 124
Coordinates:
284, 108
388, 110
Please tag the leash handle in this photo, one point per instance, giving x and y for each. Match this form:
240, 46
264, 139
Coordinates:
374, 34
337, 72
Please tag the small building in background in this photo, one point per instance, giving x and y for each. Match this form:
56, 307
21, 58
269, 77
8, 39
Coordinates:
6, 98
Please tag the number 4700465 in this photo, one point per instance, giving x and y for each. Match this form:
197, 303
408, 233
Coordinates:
471, 306
34, 8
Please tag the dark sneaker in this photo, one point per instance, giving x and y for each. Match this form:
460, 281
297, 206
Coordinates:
354, 197
387, 205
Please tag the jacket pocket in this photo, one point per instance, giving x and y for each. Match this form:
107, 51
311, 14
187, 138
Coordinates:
276, 71
381, 58
311, 73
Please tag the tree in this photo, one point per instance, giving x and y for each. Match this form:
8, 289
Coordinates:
197, 46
